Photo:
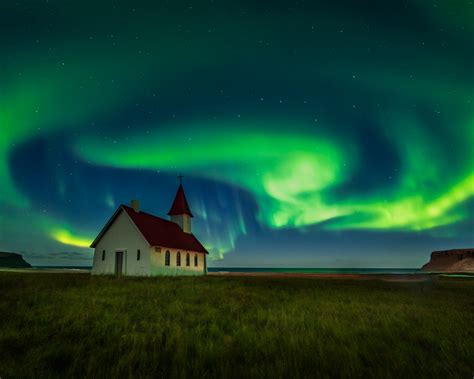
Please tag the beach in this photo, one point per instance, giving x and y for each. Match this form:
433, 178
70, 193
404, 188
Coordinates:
385, 277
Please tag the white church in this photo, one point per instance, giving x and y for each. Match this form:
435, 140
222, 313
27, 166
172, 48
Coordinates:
137, 243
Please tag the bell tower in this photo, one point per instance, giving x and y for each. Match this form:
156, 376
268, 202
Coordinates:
180, 212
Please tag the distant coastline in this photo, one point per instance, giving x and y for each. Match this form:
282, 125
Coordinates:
281, 270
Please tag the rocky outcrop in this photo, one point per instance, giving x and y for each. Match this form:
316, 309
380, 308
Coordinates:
456, 260
12, 260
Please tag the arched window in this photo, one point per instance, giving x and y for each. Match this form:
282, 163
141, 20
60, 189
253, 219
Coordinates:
138, 254
178, 259
195, 260
187, 259
103, 255
167, 258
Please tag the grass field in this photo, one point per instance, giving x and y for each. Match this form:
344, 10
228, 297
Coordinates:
63, 325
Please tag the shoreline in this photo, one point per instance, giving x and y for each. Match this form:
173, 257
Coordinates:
384, 277
388, 277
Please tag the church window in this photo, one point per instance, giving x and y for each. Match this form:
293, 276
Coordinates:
158, 249
187, 260
103, 255
178, 259
138, 254
167, 258
195, 260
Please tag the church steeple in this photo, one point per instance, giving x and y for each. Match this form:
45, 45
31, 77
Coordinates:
180, 212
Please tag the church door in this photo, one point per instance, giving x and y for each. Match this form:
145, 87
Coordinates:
118, 263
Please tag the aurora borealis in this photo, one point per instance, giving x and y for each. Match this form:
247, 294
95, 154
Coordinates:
309, 134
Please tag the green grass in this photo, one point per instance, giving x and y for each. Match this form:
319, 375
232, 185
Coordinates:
63, 325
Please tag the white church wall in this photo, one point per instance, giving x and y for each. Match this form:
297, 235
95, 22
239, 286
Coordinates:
184, 222
158, 266
122, 235
187, 224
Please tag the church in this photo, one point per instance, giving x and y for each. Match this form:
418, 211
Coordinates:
137, 243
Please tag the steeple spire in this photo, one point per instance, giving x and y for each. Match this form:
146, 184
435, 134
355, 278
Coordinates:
180, 204
180, 212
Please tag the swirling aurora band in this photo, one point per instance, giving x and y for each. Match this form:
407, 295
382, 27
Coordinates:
291, 176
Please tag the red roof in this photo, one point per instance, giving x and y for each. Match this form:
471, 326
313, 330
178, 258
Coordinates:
180, 204
157, 231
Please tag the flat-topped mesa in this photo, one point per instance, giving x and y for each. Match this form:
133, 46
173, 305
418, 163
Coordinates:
455, 260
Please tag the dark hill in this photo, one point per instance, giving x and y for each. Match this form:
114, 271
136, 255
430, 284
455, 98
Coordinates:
12, 260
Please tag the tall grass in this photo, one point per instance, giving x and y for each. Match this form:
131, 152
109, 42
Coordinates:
63, 325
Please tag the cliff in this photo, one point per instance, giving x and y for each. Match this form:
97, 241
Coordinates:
456, 260
12, 260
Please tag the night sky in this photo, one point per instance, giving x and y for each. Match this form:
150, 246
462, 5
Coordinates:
335, 135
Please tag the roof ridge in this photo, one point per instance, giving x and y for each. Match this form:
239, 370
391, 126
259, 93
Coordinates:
161, 232
149, 214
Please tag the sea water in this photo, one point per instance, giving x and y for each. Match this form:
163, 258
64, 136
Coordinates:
296, 270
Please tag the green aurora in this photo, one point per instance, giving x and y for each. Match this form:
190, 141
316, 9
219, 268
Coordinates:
294, 174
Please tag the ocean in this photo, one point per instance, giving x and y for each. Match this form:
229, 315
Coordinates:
299, 270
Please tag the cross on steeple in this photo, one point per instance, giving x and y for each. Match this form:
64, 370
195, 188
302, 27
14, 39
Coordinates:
180, 177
